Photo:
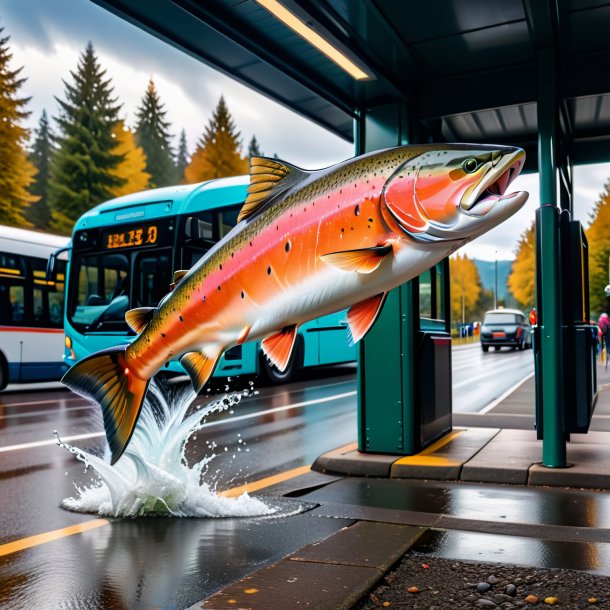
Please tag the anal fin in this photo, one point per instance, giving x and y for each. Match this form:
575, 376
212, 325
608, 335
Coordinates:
363, 260
278, 347
362, 316
138, 318
199, 367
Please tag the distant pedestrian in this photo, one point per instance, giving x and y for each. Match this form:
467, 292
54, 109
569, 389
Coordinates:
604, 327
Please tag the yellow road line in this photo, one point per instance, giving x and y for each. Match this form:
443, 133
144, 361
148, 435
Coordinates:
30, 541
266, 482
38, 539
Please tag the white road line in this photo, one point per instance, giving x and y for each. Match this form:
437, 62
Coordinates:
78, 437
487, 372
506, 394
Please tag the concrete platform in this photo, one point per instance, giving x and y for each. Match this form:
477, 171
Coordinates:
483, 455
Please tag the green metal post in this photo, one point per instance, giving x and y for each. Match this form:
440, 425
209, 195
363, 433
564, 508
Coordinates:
554, 438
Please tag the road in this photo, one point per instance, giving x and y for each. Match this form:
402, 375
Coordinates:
54, 558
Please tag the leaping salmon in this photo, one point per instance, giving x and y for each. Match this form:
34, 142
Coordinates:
308, 243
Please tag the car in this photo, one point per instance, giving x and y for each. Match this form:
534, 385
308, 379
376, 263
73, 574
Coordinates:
505, 328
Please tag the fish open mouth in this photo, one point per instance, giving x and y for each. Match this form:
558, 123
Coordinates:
492, 187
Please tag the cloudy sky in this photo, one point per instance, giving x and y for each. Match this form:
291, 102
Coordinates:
47, 37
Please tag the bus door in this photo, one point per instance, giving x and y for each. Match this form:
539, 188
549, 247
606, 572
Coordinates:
333, 345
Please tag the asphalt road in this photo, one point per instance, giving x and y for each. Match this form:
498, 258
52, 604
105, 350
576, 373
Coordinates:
82, 562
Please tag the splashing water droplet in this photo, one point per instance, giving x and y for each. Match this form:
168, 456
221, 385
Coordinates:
153, 477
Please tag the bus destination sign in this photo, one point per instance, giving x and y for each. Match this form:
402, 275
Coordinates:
130, 237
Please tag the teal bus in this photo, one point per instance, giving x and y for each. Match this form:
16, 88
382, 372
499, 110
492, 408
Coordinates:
125, 252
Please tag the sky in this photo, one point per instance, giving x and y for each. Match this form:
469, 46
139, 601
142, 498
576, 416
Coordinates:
47, 38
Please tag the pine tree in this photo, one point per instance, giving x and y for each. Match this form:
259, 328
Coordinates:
218, 151
39, 213
254, 149
81, 170
182, 159
16, 171
132, 169
153, 135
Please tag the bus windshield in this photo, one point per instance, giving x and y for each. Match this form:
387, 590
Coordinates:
109, 284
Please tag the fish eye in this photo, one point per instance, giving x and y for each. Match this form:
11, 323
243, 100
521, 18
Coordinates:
470, 165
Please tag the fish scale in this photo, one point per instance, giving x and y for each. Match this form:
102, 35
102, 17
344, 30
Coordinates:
307, 244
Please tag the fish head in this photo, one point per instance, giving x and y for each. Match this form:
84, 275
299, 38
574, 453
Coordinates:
453, 191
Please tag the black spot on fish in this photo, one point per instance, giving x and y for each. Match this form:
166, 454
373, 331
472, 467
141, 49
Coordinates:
287, 246
163, 335
220, 267
218, 287
342, 230
357, 210
269, 270
242, 294
370, 220
181, 318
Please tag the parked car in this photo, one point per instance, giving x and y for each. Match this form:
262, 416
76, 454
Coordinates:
505, 327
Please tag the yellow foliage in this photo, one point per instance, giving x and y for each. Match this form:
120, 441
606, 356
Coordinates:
598, 237
218, 159
132, 169
522, 278
465, 286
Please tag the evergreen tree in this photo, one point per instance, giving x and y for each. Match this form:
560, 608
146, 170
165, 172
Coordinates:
254, 149
132, 169
218, 151
182, 159
39, 213
152, 134
16, 171
81, 170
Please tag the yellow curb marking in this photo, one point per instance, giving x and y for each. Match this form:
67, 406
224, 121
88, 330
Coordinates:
425, 458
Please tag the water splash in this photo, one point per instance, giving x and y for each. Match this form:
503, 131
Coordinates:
153, 477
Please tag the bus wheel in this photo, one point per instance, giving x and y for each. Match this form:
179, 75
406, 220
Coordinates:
274, 375
3, 372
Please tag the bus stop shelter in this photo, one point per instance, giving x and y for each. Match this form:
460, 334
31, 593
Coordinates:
531, 73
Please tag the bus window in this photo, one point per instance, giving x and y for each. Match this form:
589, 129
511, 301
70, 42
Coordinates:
102, 291
227, 219
152, 278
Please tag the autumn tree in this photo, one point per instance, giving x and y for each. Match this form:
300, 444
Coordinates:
16, 171
465, 287
131, 171
522, 278
153, 135
217, 154
39, 213
598, 237
182, 158
82, 168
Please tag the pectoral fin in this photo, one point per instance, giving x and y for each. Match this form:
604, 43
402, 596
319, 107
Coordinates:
362, 316
199, 367
364, 260
278, 347
138, 318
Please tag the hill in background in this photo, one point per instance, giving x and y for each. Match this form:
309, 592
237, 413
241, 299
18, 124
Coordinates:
487, 272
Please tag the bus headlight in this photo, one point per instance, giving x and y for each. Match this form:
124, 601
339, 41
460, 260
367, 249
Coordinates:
68, 343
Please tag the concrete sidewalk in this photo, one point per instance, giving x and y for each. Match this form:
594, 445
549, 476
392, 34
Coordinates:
379, 492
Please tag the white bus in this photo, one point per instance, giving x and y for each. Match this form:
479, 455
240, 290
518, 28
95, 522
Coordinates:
31, 308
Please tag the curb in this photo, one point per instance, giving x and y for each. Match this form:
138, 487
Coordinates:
332, 574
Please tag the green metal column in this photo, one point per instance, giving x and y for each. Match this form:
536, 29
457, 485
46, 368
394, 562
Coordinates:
549, 310
385, 383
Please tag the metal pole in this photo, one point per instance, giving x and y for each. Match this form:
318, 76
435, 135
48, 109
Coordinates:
496, 282
554, 440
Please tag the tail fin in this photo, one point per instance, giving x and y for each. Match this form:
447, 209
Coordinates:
106, 378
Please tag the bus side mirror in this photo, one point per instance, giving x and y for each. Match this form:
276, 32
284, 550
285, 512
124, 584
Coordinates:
51, 275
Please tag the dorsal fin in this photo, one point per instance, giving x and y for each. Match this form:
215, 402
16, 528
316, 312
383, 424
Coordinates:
268, 177
138, 318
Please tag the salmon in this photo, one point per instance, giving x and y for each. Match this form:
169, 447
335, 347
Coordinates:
307, 244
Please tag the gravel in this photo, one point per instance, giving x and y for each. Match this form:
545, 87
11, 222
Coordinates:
439, 584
